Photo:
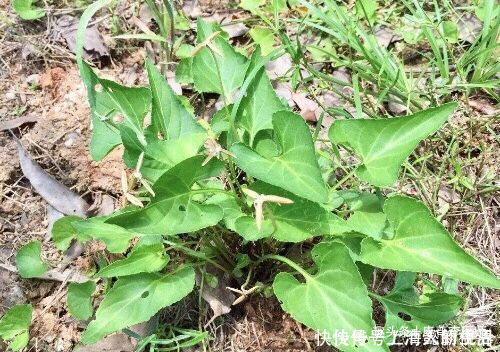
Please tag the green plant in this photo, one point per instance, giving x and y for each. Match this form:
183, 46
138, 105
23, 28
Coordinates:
26, 10
251, 175
14, 326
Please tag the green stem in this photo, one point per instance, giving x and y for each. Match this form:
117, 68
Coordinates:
198, 255
344, 179
221, 247
287, 261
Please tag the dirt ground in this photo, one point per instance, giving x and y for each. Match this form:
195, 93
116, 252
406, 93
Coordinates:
41, 83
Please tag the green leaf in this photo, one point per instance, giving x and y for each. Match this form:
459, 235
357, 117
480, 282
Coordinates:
160, 156
230, 65
260, 102
15, 321
293, 222
422, 244
20, 341
184, 71
252, 5
174, 209
105, 137
384, 144
366, 7
63, 232
79, 299
296, 169
371, 224
335, 298
169, 116
106, 100
26, 10
135, 299
133, 102
263, 37
438, 307
230, 209
450, 31
143, 259
28, 261
116, 238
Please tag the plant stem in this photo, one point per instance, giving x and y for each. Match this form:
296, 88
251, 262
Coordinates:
221, 247
198, 255
287, 261
344, 179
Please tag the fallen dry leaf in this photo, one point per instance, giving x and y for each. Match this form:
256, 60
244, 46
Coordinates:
191, 8
279, 67
284, 91
483, 106
235, 29
176, 87
19, 121
93, 45
309, 109
219, 298
55, 193
121, 342
118, 342
469, 27
385, 36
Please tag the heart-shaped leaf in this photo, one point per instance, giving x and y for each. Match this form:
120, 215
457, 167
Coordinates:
334, 299
174, 209
168, 114
296, 169
422, 244
135, 299
80, 299
220, 71
260, 102
384, 144
28, 261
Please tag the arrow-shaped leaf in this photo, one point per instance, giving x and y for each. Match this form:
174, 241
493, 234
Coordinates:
174, 210
296, 169
422, 244
209, 68
135, 299
106, 99
334, 299
260, 102
168, 114
384, 144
